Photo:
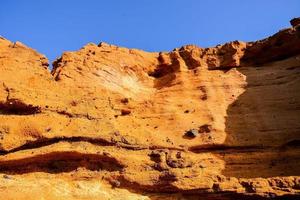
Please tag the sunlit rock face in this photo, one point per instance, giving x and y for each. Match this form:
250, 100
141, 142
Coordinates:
115, 123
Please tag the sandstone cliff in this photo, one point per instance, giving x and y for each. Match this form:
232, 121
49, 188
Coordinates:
115, 123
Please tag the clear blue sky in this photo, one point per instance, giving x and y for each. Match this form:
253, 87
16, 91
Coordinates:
54, 26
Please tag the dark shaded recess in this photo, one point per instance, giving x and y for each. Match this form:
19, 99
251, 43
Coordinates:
192, 133
203, 90
165, 189
165, 81
231, 196
163, 68
189, 60
163, 184
155, 157
266, 116
222, 148
292, 143
165, 74
55, 70
205, 128
17, 107
42, 142
58, 162
56, 63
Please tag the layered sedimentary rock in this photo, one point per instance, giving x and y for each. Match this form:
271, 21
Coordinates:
115, 123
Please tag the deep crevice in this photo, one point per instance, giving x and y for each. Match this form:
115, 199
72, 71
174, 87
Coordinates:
49, 141
222, 148
292, 143
58, 162
43, 142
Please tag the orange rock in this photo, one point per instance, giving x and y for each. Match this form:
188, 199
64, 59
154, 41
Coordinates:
110, 122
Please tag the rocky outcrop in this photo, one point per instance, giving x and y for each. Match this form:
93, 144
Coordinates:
115, 123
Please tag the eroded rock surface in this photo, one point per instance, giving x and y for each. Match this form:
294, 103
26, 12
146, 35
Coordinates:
115, 123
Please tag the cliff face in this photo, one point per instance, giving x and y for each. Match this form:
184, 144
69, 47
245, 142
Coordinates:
115, 123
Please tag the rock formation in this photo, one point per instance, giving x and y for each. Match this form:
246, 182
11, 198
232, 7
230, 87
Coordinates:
115, 123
